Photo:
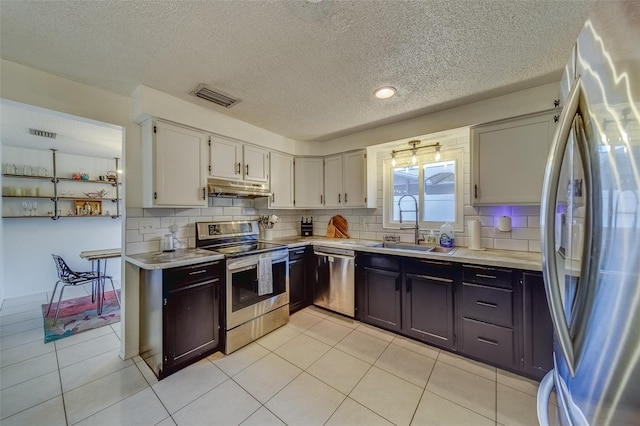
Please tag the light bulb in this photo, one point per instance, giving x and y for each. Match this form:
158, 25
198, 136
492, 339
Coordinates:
385, 92
438, 156
393, 159
413, 157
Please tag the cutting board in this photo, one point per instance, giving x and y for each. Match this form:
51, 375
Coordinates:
338, 227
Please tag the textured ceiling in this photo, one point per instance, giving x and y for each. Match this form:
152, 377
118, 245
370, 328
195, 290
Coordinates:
302, 69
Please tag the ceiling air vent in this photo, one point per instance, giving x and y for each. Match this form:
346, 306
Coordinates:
218, 98
42, 133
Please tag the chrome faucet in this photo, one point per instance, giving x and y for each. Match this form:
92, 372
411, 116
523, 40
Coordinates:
417, 234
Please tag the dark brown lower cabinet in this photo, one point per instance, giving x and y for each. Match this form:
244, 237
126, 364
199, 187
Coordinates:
428, 302
537, 327
188, 299
378, 285
300, 291
495, 315
488, 325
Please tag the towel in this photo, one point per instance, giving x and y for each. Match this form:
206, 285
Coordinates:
265, 276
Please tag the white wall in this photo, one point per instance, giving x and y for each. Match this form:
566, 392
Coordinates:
29, 244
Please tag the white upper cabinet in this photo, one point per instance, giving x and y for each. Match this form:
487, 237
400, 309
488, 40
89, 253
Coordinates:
333, 182
345, 180
233, 160
308, 183
508, 159
354, 181
174, 166
256, 164
281, 180
225, 158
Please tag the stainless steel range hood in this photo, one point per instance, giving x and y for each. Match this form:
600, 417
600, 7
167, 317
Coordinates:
233, 189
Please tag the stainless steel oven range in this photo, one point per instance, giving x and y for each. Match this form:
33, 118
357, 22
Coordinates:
257, 280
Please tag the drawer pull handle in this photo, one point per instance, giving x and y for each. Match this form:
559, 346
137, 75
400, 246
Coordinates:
487, 341
202, 271
492, 277
435, 262
298, 252
486, 304
429, 277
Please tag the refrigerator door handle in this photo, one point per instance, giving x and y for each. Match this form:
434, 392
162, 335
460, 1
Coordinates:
544, 392
547, 220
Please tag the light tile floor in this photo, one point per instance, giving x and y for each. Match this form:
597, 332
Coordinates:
319, 369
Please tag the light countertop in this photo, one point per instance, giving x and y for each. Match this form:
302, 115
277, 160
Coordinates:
165, 260
501, 258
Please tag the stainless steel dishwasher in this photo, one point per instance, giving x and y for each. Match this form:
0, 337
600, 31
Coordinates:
334, 287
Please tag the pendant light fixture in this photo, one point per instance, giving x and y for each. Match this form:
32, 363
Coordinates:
414, 151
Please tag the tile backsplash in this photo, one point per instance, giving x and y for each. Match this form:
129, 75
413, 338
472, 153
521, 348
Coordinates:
146, 227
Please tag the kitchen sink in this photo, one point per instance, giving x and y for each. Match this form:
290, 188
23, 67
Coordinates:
426, 249
446, 250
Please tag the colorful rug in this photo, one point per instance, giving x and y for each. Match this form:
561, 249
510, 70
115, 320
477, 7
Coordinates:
78, 315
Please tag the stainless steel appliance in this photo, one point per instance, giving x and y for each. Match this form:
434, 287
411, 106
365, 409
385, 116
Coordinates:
589, 226
252, 309
334, 288
235, 189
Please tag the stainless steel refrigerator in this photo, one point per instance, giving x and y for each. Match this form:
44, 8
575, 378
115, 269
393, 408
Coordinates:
590, 227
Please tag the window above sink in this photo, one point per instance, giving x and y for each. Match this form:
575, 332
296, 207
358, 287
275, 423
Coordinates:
436, 185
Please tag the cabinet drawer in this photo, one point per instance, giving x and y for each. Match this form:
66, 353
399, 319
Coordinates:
380, 262
175, 278
489, 304
433, 268
297, 253
488, 276
488, 342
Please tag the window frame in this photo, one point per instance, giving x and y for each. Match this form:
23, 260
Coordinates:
455, 155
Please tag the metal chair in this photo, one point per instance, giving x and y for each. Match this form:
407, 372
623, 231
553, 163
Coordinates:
69, 277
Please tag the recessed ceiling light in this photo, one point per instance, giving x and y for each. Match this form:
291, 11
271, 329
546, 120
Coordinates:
385, 92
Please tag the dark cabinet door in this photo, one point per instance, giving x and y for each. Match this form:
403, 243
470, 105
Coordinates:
379, 301
299, 289
191, 323
428, 306
538, 329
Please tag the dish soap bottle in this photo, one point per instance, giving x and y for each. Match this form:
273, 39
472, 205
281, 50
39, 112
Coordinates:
446, 235
431, 239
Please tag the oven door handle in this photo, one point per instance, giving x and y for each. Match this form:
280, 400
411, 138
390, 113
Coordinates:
241, 267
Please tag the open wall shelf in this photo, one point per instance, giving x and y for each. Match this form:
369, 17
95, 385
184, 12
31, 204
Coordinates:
56, 198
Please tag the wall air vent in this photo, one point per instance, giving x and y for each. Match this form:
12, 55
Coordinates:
42, 133
217, 98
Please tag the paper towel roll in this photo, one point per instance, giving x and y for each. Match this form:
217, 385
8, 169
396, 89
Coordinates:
474, 234
504, 223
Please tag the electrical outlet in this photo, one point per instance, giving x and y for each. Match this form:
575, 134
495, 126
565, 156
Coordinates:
146, 226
